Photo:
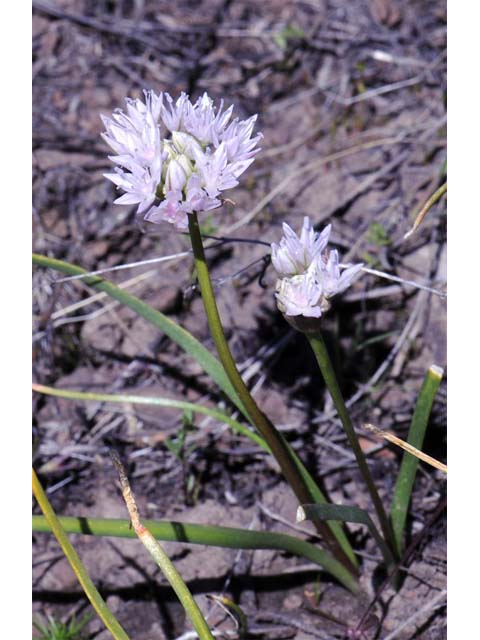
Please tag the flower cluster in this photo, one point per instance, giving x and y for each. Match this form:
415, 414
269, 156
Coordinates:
175, 158
308, 273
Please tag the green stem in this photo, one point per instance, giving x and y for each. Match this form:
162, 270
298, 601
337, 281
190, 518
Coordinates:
185, 532
91, 592
320, 350
273, 438
178, 585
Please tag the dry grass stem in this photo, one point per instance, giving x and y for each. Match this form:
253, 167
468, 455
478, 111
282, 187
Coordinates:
406, 447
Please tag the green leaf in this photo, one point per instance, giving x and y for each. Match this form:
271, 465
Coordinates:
408, 468
71, 394
346, 513
290, 32
235, 612
56, 630
229, 537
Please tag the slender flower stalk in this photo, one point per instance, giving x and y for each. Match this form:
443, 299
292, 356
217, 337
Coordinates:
91, 592
309, 277
320, 350
268, 431
192, 152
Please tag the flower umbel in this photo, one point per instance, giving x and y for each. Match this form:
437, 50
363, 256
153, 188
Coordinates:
309, 273
174, 158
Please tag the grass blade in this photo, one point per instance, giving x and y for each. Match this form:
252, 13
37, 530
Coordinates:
71, 394
408, 468
346, 513
176, 333
91, 592
161, 558
185, 532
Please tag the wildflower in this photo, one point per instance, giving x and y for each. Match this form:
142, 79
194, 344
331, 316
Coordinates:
139, 184
201, 153
309, 274
294, 254
299, 296
135, 136
328, 272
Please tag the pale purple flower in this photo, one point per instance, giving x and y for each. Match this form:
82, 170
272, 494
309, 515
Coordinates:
172, 115
169, 210
214, 171
176, 205
328, 273
139, 185
206, 123
299, 296
309, 274
295, 254
201, 154
238, 139
176, 176
135, 135
196, 199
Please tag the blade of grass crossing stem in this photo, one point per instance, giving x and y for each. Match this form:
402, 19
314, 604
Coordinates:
346, 513
167, 567
408, 468
194, 348
218, 536
235, 612
91, 592
71, 394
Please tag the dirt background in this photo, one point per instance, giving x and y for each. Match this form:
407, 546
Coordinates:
366, 79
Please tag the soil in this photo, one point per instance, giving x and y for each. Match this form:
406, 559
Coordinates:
324, 76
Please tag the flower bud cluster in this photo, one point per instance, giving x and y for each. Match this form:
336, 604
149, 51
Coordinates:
308, 273
176, 158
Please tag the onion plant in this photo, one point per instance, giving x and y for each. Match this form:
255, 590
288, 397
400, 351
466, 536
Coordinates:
173, 160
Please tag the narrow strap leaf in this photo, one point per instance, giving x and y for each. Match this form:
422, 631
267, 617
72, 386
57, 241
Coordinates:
218, 536
408, 468
346, 513
208, 362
